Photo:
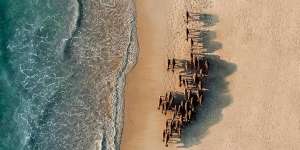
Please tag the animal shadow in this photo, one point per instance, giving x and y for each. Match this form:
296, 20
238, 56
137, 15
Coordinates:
216, 98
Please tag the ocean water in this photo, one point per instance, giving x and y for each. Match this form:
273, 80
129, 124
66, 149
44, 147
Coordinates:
62, 67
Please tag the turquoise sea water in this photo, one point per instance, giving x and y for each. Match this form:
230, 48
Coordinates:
60, 64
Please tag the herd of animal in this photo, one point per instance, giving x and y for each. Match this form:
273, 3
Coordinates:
182, 107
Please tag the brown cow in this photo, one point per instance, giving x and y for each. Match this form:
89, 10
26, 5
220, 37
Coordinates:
173, 64
160, 102
187, 34
167, 138
169, 62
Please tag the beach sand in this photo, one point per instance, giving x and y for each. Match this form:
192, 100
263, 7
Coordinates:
253, 100
144, 82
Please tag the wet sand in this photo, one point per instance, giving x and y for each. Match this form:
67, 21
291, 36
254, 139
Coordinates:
253, 102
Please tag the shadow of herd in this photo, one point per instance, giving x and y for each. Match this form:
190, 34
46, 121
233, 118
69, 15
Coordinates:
193, 73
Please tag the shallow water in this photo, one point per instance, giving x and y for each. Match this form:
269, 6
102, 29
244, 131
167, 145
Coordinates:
62, 65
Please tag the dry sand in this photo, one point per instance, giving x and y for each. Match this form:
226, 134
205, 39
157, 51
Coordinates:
253, 101
144, 83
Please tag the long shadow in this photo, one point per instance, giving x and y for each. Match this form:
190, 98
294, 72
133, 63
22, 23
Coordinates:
207, 38
207, 19
180, 65
216, 98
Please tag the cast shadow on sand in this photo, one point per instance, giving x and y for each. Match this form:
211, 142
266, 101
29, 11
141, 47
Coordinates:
207, 19
207, 39
216, 97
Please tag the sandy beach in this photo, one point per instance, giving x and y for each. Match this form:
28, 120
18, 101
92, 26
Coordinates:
253, 86
144, 82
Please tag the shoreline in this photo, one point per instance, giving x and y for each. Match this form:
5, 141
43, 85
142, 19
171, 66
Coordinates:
129, 63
